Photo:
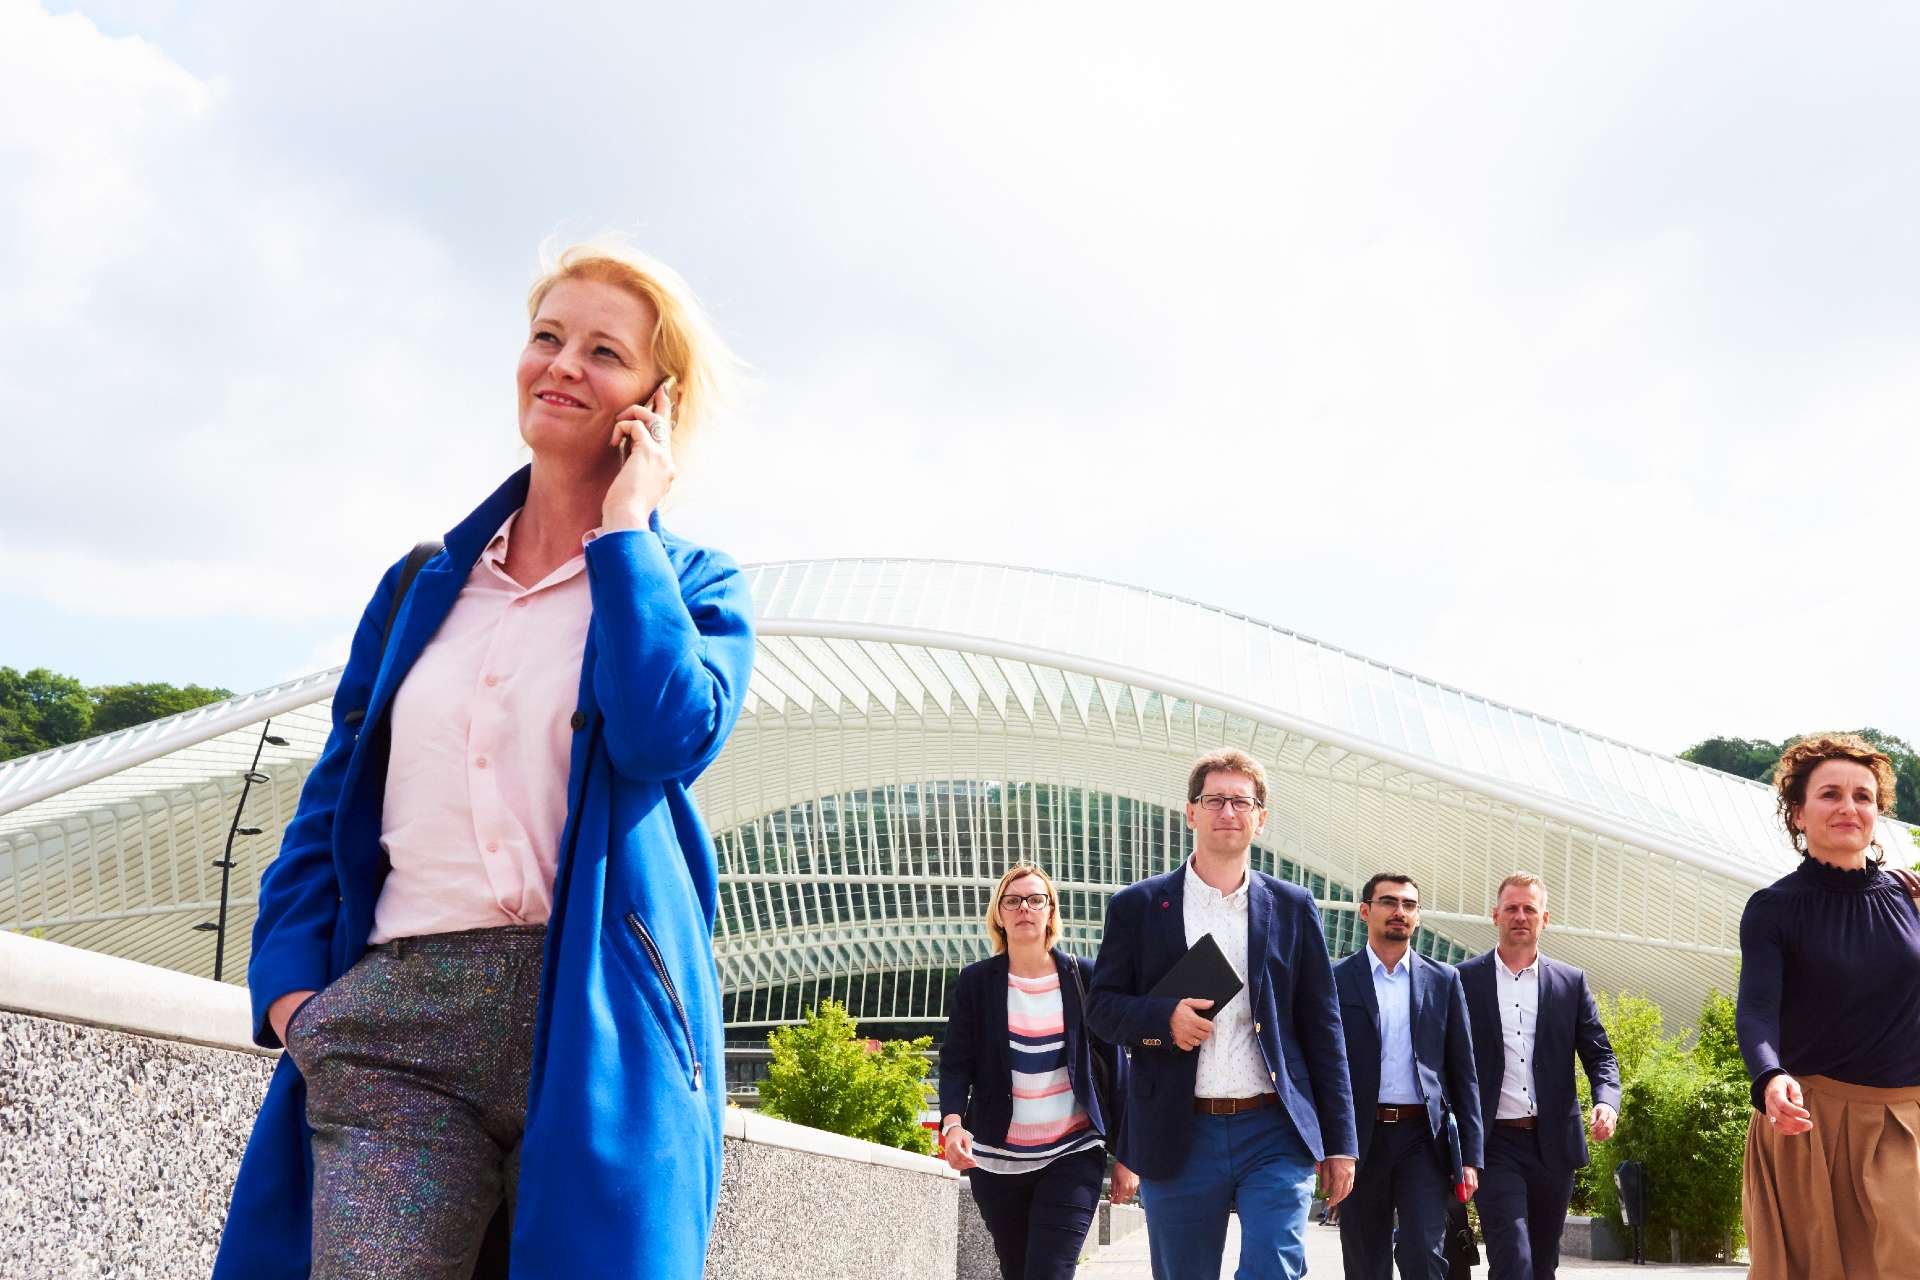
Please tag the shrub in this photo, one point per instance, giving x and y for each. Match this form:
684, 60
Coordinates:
1684, 1114
1636, 1030
824, 1075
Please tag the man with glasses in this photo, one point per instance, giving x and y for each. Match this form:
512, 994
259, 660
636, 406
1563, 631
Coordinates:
1240, 1105
1411, 1054
1530, 1017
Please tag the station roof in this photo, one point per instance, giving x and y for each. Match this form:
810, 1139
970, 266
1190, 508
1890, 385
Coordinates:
888, 678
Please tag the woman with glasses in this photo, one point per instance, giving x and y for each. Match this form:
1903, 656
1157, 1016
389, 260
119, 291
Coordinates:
1018, 1090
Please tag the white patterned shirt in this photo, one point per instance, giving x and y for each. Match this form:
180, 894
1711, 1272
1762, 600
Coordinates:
1230, 1063
1519, 995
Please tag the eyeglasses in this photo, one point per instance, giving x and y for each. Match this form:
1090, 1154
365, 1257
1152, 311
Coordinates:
1031, 901
1390, 902
1239, 804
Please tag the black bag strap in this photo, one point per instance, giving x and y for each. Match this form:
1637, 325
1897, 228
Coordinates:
416, 560
1079, 983
409, 570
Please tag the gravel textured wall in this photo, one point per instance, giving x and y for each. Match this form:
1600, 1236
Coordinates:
117, 1151
976, 1259
117, 1156
792, 1215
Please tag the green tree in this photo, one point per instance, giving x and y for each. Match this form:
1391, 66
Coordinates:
1755, 757
41, 709
118, 706
1744, 757
826, 1076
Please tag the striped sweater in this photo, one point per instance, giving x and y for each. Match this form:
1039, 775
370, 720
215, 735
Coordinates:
1048, 1121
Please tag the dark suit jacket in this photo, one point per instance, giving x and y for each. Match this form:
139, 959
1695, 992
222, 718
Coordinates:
1442, 1048
976, 1077
1296, 1017
1568, 1024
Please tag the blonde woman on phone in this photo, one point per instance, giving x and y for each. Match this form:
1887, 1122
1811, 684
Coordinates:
486, 943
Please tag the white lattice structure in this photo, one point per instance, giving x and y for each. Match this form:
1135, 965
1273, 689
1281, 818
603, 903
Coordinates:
912, 727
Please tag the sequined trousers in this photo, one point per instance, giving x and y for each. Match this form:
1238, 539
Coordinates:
416, 1062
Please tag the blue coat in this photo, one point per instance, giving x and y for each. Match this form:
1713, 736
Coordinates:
620, 1165
1442, 1049
976, 1075
1568, 1023
1296, 1017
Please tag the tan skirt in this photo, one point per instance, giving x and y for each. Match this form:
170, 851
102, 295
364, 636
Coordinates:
1842, 1201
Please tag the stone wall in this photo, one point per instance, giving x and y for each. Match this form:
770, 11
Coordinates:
118, 1147
117, 1151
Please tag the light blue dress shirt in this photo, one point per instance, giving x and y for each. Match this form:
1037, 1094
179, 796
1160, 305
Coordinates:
1393, 992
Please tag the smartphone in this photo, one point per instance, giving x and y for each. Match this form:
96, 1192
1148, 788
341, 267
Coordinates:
623, 446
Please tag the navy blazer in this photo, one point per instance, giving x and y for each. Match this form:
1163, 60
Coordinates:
1568, 1024
1296, 1018
976, 1078
1442, 1048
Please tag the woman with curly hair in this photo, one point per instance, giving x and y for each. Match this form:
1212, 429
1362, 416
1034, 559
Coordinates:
1829, 1024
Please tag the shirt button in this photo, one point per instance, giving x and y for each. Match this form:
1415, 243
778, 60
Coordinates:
1271, 1076
481, 763
492, 681
579, 721
493, 846
521, 603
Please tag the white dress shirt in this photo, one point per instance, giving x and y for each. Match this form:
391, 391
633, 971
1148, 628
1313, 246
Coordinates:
1393, 992
1230, 1064
1519, 998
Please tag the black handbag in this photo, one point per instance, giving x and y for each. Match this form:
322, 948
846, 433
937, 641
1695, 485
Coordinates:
1102, 1066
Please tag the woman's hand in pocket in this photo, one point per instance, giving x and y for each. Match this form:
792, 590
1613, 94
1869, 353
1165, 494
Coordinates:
281, 1011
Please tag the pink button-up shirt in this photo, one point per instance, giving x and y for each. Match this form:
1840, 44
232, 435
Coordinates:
482, 733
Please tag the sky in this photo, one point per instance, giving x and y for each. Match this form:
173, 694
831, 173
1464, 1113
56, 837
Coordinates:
1563, 353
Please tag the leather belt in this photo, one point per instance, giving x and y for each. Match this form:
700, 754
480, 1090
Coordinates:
1233, 1106
1395, 1112
1518, 1122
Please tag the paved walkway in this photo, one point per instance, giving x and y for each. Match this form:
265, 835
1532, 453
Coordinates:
1127, 1260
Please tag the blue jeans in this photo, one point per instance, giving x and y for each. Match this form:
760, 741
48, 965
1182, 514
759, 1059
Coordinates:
1255, 1162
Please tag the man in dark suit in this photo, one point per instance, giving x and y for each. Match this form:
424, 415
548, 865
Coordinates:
1411, 1057
1530, 1016
1243, 1104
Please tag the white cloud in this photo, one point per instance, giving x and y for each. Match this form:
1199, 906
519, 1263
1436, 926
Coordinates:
1562, 357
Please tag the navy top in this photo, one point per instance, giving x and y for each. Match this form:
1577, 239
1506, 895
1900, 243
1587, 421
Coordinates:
1830, 979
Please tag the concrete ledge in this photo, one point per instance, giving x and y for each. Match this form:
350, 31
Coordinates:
756, 1127
1592, 1238
127, 1093
49, 980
